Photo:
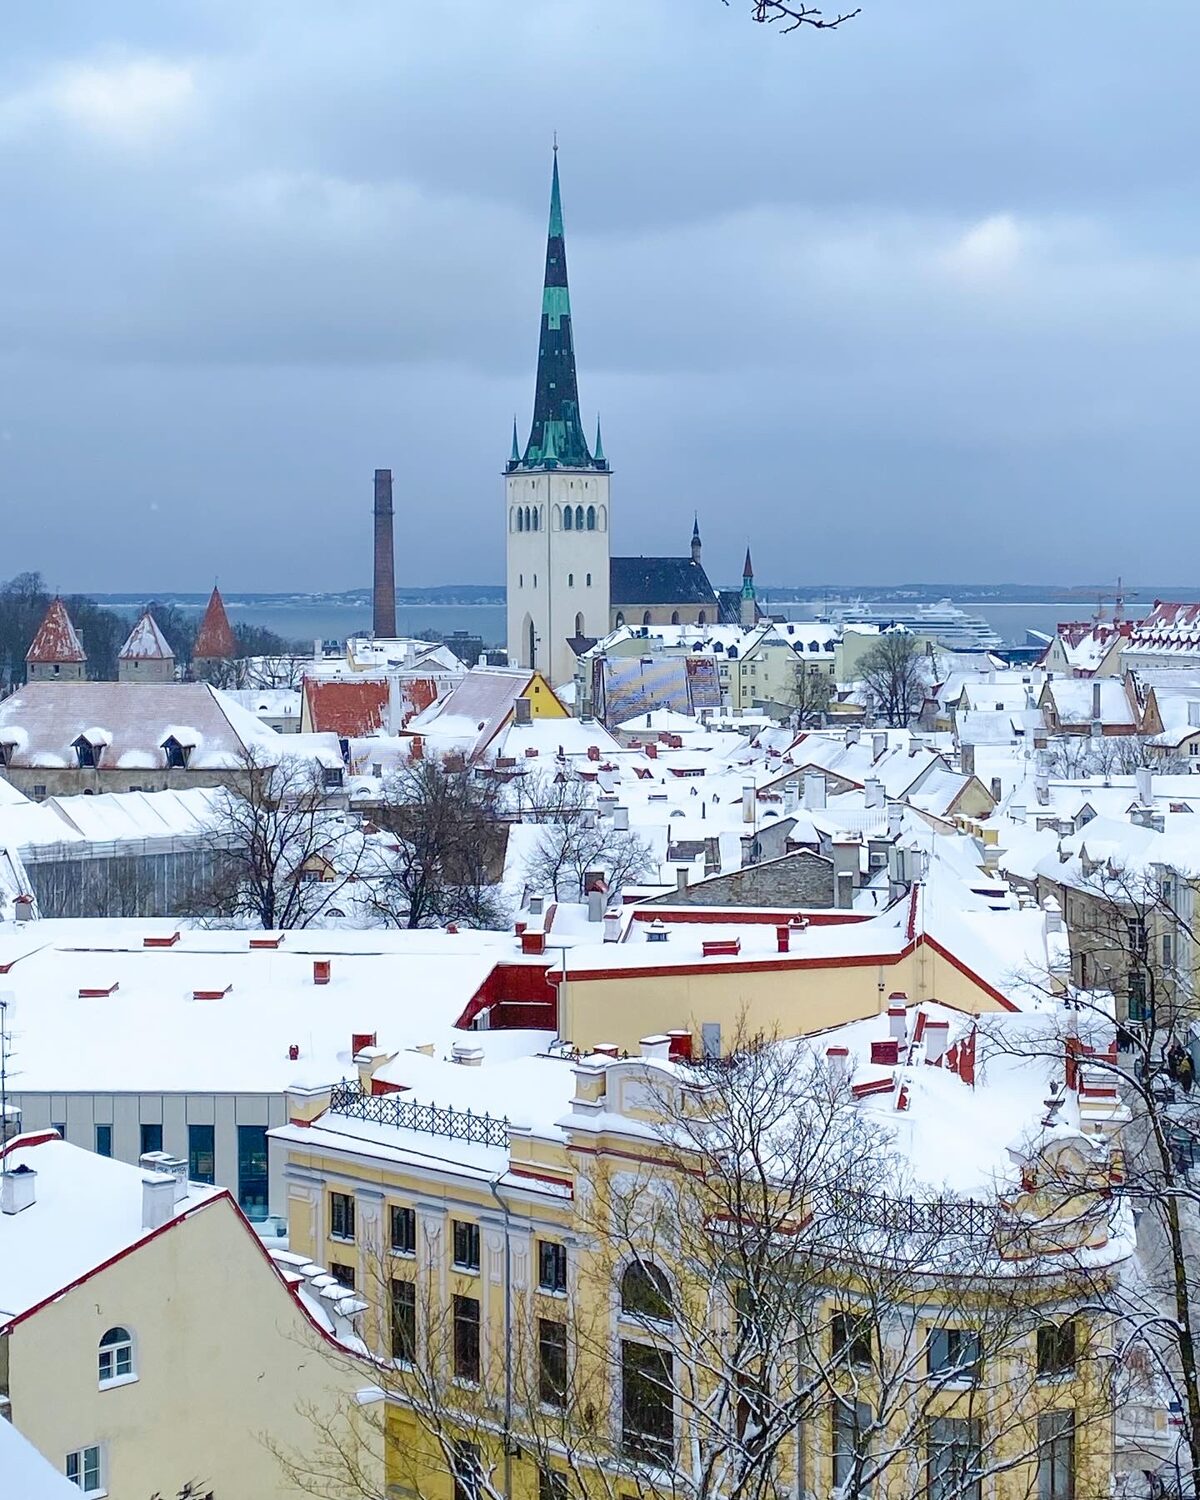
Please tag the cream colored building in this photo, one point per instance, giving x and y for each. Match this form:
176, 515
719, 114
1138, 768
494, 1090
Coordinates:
147, 1339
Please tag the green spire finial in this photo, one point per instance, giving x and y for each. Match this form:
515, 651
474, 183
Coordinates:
599, 453
516, 451
556, 219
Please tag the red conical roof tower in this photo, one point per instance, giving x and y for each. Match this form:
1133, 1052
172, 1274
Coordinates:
56, 639
215, 640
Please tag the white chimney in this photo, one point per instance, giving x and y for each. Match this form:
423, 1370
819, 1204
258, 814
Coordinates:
837, 1059
935, 1040
878, 745
165, 1164
1016, 811
468, 1056
612, 925
1145, 785
853, 735
595, 903
536, 905
18, 1189
1194, 713
657, 1048
895, 814
749, 803
681, 878
1041, 786
898, 1018
814, 791
620, 817
872, 792
966, 759
1054, 916
158, 1200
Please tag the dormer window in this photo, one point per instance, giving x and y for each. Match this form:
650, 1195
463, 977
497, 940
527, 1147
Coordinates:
176, 753
86, 753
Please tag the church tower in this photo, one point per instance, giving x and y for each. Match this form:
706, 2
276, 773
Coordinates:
557, 497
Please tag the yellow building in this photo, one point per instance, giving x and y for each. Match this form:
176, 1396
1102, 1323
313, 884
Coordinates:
555, 1290
147, 1340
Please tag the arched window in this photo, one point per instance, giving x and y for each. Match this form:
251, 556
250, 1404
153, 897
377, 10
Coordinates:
674, 617
646, 617
702, 618
537, 518
645, 1292
579, 624
568, 517
520, 519
591, 518
558, 518
512, 518
602, 517
589, 580
579, 518
620, 619
570, 580
116, 1355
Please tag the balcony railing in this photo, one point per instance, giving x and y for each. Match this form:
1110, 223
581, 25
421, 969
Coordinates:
936, 1218
407, 1114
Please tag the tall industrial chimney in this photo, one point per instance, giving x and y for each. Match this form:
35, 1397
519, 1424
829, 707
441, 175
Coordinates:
385, 559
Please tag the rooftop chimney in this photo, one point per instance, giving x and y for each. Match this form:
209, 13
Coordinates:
814, 791
1145, 785
658, 931
898, 1017
158, 1200
612, 925
872, 792
620, 819
749, 803
656, 1047
878, 745
997, 789
384, 597
17, 1189
935, 1041
595, 904
523, 711
895, 814
966, 759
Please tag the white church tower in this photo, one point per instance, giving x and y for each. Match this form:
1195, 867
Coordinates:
557, 494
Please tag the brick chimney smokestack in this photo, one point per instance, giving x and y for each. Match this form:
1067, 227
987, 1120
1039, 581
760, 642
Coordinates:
384, 600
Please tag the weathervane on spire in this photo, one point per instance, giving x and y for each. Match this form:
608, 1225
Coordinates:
555, 142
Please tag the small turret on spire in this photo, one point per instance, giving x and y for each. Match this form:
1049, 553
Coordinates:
598, 455
696, 540
748, 567
515, 457
749, 605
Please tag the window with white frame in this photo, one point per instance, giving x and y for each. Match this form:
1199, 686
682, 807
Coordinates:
116, 1356
85, 1469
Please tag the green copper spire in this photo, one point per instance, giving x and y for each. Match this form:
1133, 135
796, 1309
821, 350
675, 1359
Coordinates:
598, 455
516, 451
557, 434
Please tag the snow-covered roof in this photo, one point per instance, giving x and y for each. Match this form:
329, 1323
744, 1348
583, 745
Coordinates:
146, 642
56, 640
86, 1210
129, 723
26, 1474
407, 987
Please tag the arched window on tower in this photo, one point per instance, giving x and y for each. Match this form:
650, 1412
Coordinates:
568, 515
646, 617
520, 519
570, 580
558, 518
591, 518
620, 620
602, 517
702, 618
579, 624
579, 518
537, 517
674, 617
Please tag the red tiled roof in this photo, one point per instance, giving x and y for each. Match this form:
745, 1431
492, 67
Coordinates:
56, 639
350, 709
215, 638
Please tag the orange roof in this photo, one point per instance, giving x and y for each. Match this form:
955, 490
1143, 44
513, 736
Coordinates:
215, 638
56, 639
354, 709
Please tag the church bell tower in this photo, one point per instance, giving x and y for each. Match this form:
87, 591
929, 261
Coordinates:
557, 497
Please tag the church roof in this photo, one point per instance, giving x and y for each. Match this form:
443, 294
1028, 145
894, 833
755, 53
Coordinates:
556, 438
657, 580
146, 642
215, 638
56, 640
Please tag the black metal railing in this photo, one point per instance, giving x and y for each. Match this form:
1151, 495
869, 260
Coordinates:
407, 1114
916, 1217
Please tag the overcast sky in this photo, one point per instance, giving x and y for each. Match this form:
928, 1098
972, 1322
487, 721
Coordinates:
916, 299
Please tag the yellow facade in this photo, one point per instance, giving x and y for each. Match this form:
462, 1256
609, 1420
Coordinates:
546, 1192
622, 1005
223, 1357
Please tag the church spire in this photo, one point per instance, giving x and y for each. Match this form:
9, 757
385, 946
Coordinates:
516, 451
601, 462
696, 549
556, 426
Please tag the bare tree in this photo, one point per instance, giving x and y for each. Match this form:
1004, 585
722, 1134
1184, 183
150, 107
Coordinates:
1125, 1037
808, 695
895, 674
445, 854
791, 16
582, 843
280, 852
765, 1304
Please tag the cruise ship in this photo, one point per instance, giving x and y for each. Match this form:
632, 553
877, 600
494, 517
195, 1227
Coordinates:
951, 626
